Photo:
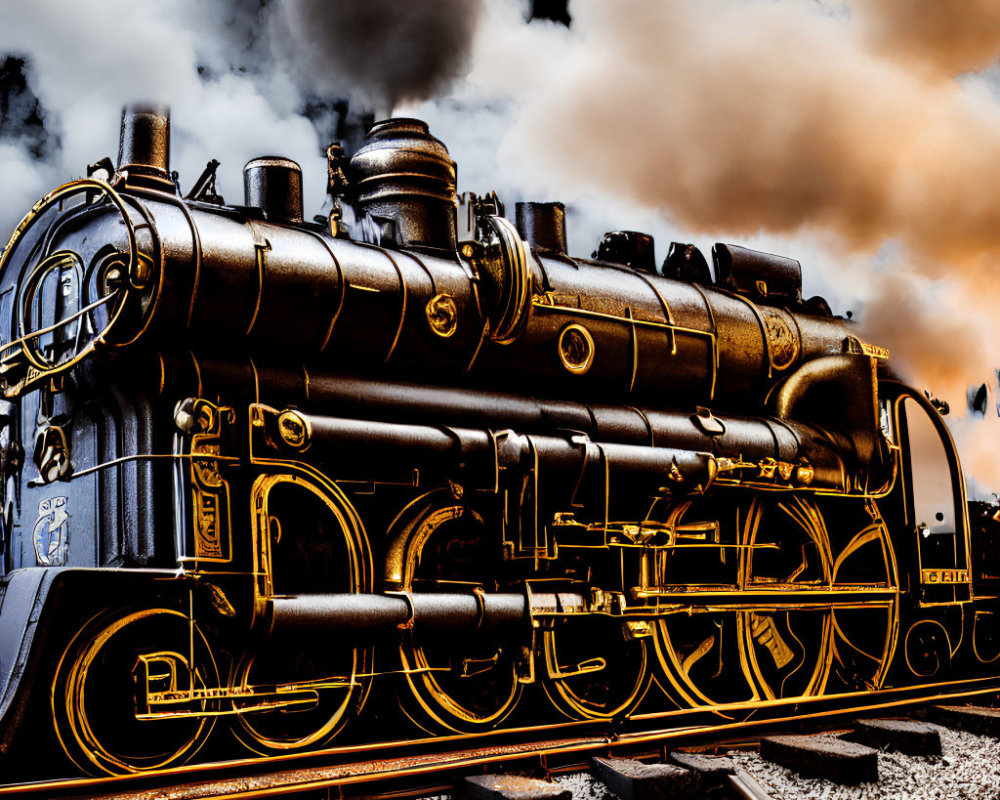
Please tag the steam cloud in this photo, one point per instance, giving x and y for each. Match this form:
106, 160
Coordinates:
855, 135
949, 38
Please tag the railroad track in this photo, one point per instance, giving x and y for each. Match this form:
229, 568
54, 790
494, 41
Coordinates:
434, 766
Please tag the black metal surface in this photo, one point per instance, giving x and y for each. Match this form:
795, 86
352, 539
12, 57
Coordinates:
405, 180
759, 275
144, 146
685, 262
274, 185
628, 248
542, 225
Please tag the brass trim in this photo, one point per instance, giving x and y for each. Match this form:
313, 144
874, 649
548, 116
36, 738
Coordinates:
295, 429
442, 315
875, 351
938, 577
10, 352
578, 337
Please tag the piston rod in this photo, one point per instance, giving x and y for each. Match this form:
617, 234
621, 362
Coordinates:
445, 610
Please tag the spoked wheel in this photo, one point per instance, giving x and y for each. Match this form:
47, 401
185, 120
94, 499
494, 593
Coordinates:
465, 686
297, 690
697, 642
295, 695
928, 649
787, 566
594, 667
133, 693
866, 631
463, 681
784, 595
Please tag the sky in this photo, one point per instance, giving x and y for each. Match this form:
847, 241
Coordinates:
860, 137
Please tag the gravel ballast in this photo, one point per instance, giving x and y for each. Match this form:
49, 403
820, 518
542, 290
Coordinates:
967, 769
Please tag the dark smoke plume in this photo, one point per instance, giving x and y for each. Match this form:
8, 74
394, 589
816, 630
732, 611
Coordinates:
382, 51
22, 118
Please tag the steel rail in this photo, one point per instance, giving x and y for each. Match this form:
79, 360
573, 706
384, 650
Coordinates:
339, 771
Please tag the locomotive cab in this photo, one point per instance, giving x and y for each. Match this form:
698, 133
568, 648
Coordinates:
931, 497
949, 561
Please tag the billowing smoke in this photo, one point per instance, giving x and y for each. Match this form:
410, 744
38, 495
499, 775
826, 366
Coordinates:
948, 38
25, 141
741, 116
84, 61
22, 118
380, 51
734, 118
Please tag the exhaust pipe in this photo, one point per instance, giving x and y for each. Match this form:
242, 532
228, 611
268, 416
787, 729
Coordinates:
144, 147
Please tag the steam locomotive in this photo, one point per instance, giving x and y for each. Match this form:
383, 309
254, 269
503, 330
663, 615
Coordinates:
260, 472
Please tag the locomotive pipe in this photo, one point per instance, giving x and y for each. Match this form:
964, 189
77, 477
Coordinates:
754, 438
453, 610
144, 146
365, 448
459, 610
640, 448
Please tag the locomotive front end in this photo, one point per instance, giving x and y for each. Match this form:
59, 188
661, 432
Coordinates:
77, 276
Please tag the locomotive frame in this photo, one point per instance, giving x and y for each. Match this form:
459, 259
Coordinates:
284, 472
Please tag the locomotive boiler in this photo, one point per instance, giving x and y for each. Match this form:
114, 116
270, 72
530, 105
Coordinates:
265, 476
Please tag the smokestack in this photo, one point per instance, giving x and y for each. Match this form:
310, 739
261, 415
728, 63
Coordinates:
144, 147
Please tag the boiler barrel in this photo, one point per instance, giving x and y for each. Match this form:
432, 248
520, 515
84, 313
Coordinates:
594, 331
